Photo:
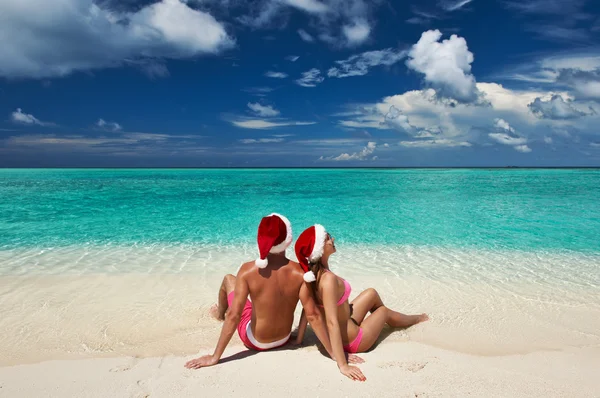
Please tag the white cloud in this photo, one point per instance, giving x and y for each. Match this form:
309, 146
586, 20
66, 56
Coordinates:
20, 117
364, 154
258, 91
339, 23
453, 5
276, 75
522, 148
506, 139
422, 115
357, 32
48, 39
126, 144
508, 136
434, 143
446, 65
263, 110
310, 78
555, 108
359, 64
292, 58
362, 123
110, 126
503, 125
260, 124
304, 35
310, 6
261, 140
548, 140
397, 120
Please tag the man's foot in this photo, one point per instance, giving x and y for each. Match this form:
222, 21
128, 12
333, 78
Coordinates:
214, 312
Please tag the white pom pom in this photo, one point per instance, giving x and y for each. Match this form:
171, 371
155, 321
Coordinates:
260, 263
309, 277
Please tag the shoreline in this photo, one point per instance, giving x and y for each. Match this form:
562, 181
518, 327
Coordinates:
406, 369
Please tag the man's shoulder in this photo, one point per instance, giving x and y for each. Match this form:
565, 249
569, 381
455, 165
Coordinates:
245, 268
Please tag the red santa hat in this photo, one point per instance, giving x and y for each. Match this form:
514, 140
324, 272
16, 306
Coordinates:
274, 236
309, 248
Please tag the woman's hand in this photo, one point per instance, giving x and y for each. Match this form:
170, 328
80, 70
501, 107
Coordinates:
202, 362
352, 372
355, 359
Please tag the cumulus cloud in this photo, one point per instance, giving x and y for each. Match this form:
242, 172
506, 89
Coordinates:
357, 32
503, 125
359, 64
260, 124
555, 108
364, 154
109, 126
292, 58
507, 135
310, 78
47, 39
21, 117
276, 75
446, 65
399, 121
506, 139
585, 83
263, 110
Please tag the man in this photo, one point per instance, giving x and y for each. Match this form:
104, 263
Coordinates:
275, 284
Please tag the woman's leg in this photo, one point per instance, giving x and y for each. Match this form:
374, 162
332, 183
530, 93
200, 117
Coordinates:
227, 286
373, 325
367, 301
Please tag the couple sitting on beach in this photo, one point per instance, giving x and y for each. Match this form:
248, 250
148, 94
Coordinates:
275, 284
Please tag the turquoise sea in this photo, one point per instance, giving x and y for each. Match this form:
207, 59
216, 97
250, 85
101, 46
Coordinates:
97, 262
523, 209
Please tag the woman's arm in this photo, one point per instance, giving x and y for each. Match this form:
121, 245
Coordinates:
328, 286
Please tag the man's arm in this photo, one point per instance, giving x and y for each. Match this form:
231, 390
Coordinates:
232, 319
301, 329
314, 317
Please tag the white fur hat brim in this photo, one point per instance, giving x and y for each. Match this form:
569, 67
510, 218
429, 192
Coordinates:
317, 251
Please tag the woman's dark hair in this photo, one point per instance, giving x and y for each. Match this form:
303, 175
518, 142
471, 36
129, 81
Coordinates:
317, 268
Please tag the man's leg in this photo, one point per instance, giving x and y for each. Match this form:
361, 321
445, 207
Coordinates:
227, 286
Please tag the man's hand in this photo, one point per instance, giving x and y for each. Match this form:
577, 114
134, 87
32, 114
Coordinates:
202, 362
355, 359
352, 372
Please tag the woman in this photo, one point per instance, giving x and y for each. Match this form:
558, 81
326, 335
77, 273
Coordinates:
348, 328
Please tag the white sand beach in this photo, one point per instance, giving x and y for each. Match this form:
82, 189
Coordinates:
496, 329
392, 370
130, 336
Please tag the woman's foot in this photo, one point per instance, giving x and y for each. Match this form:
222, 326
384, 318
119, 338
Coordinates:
422, 318
214, 312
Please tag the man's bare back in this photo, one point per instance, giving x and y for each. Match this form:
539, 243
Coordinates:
274, 292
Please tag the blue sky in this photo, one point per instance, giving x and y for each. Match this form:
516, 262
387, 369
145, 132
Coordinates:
316, 83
